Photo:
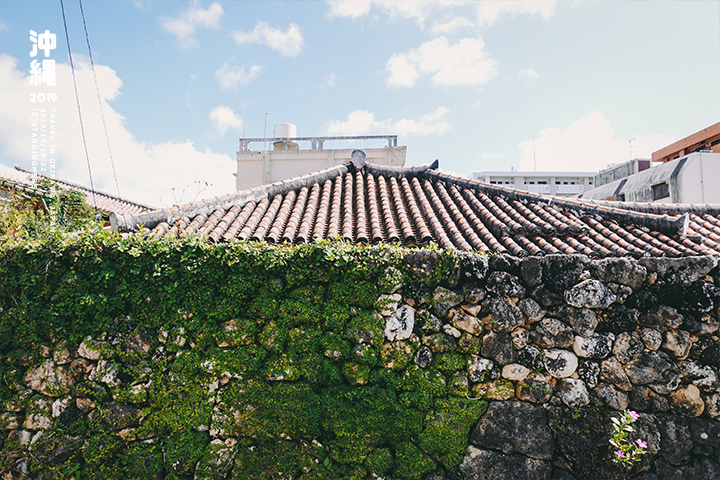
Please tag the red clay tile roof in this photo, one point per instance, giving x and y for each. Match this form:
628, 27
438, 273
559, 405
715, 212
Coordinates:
364, 203
104, 202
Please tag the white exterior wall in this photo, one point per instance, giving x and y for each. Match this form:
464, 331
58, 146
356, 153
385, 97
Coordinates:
699, 181
259, 168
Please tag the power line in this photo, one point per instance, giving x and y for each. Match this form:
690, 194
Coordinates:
77, 100
97, 90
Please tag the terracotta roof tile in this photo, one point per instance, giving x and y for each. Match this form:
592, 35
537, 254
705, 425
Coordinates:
419, 205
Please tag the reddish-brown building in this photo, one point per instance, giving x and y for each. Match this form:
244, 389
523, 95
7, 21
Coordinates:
707, 139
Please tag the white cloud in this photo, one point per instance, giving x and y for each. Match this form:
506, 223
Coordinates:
224, 118
184, 25
231, 76
463, 64
329, 81
288, 43
528, 74
490, 12
418, 10
587, 145
487, 12
451, 26
362, 122
146, 171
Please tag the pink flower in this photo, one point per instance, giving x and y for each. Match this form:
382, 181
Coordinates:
633, 414
641, 443
620, 454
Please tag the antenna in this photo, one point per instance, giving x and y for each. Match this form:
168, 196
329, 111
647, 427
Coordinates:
534, 160
265, 133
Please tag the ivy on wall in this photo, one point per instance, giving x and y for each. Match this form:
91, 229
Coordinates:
276, 347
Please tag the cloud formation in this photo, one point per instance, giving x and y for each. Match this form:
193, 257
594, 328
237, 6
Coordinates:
224, 118
231, 76
288, 43
464, 64
587, 145
362, 122
184, 25
147, 172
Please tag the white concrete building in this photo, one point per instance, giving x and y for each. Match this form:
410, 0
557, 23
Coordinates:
693, 178
561, 184
266, 160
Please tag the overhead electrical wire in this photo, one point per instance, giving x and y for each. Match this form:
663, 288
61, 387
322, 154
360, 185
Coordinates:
77, 100
97, 90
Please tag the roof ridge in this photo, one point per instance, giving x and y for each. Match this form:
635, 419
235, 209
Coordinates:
155, 217
83, 188
655, 221
399, 171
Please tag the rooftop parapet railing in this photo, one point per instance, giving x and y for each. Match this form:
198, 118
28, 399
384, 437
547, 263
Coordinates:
367, 142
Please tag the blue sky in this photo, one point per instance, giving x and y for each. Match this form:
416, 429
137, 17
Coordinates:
479, 85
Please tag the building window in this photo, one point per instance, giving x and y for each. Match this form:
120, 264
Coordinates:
661, 190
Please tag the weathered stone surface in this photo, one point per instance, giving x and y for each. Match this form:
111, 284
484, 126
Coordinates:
139, 343
388, 304
490, 465
589, 372
582, 320
706, 350
597, 346
515, 372
612, 371
504, 263
701, 467
687, 401
400, 325
423, 357
700, 324
471, 309
452, 331
700, 296
651, 338
427, 322
54, 450
446, 299
65, 355
671, 379
647, 368
520, 338
440, 342
622, 292
676, 441
90, 349
504, 284
712, 405
572, 392
677, 342
645, 399
617, 319
530, 356
499, 347
560, 363
494, 390
531, 271
546, 297
536, 388
503, 316
106, 372
475, 295
515, 427
9, 421
532, 310
661, 318
581, 441
49, 379
561, 272
607, 394
465, 322
685, 270
627, 347
590, 294
37, 421
116, 416
620, 270
552, 333
473, 267
480, 369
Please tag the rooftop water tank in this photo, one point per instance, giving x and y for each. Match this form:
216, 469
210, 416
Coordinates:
287, 130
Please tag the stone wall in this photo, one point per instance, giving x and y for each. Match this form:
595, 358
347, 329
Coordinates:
556, 346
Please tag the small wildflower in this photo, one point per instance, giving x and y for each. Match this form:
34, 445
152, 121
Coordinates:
620, 454
641, 443
633, 414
